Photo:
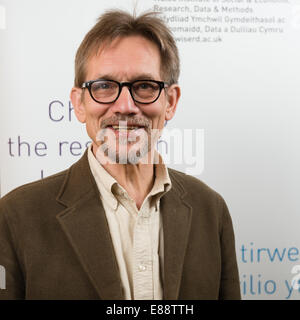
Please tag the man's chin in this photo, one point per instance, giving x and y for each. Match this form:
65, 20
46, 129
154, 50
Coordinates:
127, 155
130, 158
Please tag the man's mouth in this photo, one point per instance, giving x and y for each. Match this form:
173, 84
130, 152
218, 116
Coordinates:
125, 128
131, 133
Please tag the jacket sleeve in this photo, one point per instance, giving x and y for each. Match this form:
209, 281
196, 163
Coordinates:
11, 278
230, 284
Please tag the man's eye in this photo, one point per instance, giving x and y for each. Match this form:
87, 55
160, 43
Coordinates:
145, 86
104, 85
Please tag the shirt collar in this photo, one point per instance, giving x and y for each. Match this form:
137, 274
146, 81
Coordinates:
162, 181
105, 182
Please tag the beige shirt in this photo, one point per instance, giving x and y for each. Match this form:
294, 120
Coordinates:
137, 235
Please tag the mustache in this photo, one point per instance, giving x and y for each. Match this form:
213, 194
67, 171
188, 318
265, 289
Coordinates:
130, 120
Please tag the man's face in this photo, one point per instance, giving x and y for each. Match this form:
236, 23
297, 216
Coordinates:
124, 60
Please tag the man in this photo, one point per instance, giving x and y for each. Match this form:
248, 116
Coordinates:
118, 224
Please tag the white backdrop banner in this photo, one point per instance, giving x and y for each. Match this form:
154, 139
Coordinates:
239, 112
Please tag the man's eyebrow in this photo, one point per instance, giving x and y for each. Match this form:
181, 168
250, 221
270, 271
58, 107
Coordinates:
142, 76
105, 76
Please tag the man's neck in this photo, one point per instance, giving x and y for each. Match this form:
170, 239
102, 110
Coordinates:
137, 179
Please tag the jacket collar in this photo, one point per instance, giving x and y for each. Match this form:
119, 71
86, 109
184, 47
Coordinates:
85, 225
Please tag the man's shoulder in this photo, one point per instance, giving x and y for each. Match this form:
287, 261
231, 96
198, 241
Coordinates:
193, 187
37, 191
189, 181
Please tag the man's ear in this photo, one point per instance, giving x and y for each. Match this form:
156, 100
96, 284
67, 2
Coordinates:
173, 95
77, 103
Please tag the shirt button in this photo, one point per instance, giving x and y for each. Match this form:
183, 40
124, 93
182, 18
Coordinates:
142, 268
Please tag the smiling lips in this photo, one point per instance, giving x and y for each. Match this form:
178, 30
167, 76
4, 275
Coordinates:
121, 128
131, 128
130, 132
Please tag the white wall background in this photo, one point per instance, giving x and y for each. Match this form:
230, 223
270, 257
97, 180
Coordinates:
241, 88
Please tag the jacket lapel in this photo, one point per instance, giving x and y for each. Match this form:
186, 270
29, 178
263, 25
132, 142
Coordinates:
176, 219
85, 225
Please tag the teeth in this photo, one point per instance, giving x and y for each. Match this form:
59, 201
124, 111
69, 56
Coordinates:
124, 128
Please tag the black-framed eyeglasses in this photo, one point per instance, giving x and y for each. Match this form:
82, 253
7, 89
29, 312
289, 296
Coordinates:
108, 91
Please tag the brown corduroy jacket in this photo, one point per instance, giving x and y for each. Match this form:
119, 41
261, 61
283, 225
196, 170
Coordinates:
55, 241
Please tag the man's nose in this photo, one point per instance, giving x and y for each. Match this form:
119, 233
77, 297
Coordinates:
125, 104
